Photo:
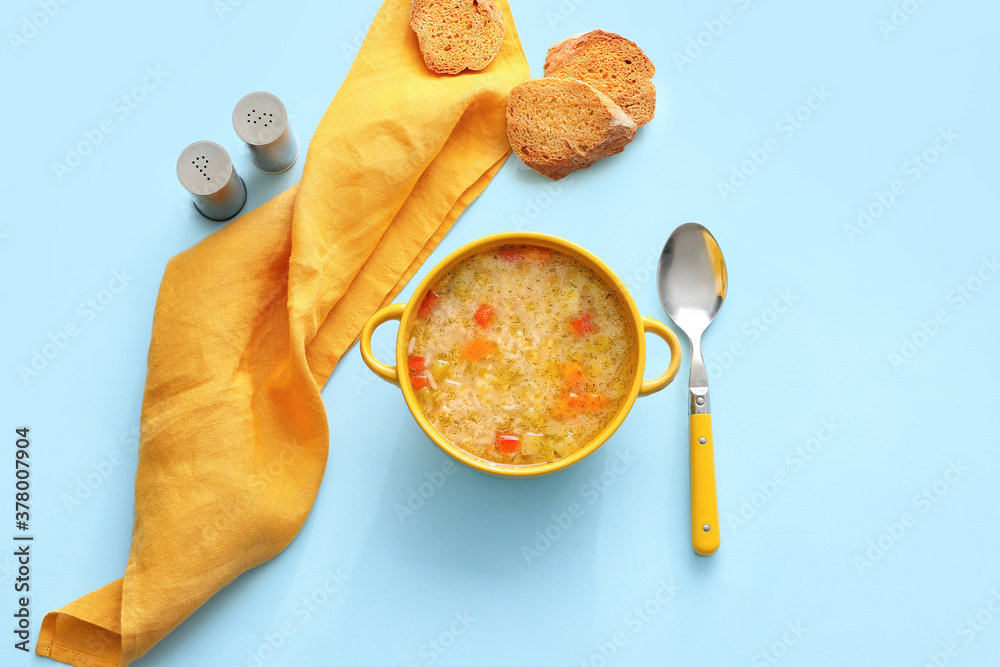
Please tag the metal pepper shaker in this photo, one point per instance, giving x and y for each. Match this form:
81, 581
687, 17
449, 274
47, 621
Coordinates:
206, 171
260, 120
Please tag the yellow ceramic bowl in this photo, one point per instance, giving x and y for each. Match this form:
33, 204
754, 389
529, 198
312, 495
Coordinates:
406, 312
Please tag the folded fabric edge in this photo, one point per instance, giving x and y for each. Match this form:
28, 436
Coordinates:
79, 635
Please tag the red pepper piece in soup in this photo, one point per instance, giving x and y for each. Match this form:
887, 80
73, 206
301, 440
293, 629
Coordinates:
427, 305
508, 443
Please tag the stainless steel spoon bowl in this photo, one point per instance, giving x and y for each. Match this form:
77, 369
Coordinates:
691, 280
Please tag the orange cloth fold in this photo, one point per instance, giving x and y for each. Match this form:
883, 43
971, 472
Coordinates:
250, 323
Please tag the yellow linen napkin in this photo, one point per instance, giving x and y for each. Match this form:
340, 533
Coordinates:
250, 322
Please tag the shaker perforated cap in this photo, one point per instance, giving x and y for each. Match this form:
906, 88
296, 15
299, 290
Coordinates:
260, 119
205, 170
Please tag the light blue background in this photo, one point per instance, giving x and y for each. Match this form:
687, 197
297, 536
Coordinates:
826, 357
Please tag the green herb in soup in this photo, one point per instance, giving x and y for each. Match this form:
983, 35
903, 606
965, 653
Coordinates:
521, 355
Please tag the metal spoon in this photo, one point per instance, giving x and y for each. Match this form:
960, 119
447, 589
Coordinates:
691, 281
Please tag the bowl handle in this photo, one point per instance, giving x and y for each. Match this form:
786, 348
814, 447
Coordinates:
387, 373
657, 327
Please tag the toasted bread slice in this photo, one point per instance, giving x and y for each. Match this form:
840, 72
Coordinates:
456, 35
612, 64
560, 125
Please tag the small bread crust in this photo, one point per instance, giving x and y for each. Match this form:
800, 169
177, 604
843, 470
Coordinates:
456, 35
557, 126
611, 64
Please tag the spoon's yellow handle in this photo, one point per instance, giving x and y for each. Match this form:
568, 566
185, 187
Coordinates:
704, 505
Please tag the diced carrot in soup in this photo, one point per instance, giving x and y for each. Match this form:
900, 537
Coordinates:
594, 402
573, 375
416, 364
537, 254
573, 401
477, 349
